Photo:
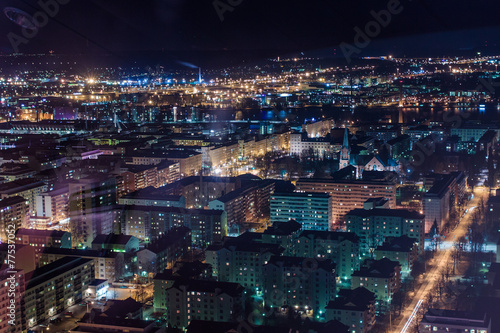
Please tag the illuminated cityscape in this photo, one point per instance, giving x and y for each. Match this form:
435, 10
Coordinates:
353, 188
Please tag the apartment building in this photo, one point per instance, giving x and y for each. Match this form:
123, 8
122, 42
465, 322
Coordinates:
312, 210
55, 287
13, 212
185, 300
373, 226
349, 194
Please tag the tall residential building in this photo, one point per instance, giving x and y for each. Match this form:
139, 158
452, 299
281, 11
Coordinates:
247, 204
39, 240
222, 156
199, 191
13, 212
354, 308
381, 277
137, 177
312, 210
55, 287
402, 249
53, 204
189, 161
168, 172
164, 252
349, 194
108, 265
282, 233
305, 284
91, 202
26, 188
241, 261
446, 192
343, 248
149, 223
185, 300
374, 225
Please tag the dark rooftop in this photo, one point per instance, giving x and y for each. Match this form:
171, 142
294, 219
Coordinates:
112, 239
403, 213
168, 210
401, 243
11, 201
358, 299
107, 321
302, 194
58, 267
440, 316
232, 289
284, 261
283, 228
172, 236
41, 232
121, 308
19, 185
330, 235
383, 268
80, 252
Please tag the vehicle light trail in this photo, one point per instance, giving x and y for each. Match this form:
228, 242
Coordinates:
412, 316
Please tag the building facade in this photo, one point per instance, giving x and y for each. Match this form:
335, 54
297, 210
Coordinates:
13, 212
343, 248
354, 308
184, 300
53, 288
304, 284
349, 194
312, 210
373, 226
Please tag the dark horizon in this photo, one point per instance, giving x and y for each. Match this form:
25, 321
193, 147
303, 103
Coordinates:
251, 31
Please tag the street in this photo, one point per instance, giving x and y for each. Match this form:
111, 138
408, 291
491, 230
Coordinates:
439, 261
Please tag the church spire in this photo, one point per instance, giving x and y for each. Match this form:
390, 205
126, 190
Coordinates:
346, 139
345, 153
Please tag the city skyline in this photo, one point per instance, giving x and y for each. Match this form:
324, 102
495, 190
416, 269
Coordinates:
249, 167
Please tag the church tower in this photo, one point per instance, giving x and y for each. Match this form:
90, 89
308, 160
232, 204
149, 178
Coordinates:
345, 153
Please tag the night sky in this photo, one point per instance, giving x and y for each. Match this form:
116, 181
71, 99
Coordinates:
256, 28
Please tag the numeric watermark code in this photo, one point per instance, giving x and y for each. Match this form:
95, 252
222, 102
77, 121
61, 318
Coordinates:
12, 273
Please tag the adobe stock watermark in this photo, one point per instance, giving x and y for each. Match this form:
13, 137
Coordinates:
488, 84
223, 6
372, 29
11, 280
49, 9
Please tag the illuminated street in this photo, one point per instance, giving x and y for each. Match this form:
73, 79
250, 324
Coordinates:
441, 259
